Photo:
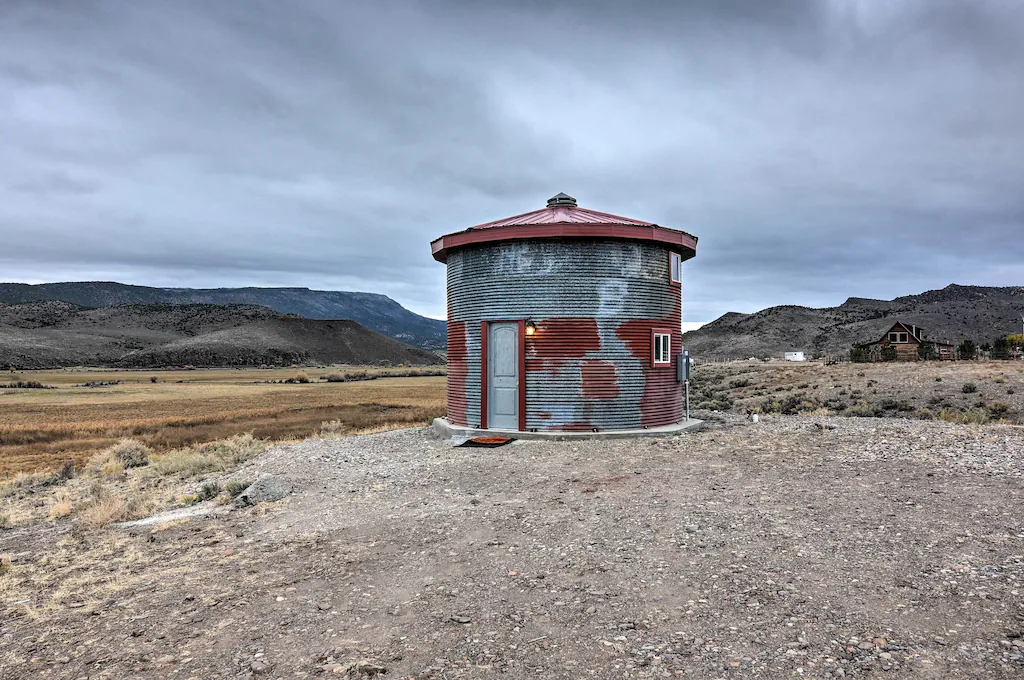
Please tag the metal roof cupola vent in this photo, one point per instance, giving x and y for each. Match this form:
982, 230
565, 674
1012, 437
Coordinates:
561, 199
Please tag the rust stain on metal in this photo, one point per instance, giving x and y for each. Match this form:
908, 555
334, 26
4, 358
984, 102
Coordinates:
574, 427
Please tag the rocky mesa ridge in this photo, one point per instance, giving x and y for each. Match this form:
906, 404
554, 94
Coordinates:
953, 313
52, 334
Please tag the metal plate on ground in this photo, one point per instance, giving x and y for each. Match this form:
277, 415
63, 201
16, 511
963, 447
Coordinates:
488, 441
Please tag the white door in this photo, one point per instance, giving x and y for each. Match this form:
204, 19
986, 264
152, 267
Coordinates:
503, 376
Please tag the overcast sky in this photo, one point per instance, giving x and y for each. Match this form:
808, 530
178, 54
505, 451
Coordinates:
819, 149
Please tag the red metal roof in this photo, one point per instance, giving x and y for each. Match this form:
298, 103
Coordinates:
562, 214
562, 218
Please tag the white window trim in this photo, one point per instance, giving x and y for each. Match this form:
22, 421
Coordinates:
666, 345
675, 267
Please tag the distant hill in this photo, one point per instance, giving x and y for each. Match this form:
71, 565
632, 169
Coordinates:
953, 313
51, 333
377, 312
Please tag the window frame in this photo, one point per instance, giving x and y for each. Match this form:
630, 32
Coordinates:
675, 268
902, 337
655, 334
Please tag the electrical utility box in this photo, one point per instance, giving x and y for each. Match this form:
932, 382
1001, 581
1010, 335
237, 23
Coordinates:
683, 367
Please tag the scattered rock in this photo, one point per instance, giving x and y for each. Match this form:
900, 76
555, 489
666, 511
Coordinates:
264, 490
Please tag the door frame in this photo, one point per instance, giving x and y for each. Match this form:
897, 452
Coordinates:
485, 331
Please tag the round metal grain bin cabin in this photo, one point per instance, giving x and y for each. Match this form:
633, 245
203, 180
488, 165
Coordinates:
564, 319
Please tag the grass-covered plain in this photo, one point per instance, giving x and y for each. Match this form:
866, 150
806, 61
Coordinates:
42, 428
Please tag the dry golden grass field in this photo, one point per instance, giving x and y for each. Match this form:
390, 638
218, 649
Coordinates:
41, 428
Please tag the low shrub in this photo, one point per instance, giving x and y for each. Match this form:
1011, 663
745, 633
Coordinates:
236, 486
794, 404
131, 453
860, 410
332, 428
5, 565
895, 405
32, 480
208, 490
66, 470
969, 388
998, 409
736, 384
972, 416
26, 385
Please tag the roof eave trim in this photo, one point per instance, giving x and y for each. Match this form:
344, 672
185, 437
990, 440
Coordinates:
684, 243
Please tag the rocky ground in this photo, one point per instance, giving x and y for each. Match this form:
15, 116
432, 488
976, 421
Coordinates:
975, 392
816, 547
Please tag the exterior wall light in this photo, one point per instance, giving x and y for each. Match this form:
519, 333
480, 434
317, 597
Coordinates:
531, 327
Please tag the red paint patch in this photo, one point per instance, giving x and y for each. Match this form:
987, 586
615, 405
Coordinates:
600, 381
458, 370
662, 401
564, 339
558, 341
544, 415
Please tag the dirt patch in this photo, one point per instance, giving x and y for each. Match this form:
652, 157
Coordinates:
821, 547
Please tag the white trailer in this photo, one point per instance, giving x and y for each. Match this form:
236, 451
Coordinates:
795, 356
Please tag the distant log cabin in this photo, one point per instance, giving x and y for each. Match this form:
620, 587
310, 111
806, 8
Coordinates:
907, 340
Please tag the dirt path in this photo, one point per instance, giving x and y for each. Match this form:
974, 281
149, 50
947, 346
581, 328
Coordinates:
827, 547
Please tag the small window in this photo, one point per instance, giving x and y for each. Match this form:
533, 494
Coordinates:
675, 267
661, 348
898, 338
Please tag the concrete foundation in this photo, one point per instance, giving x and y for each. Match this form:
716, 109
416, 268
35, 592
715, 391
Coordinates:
446, 430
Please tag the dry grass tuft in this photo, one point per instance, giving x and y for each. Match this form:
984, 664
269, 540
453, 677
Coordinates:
219, 456
332, 428
5, 564
972, 416
61, 505
109, 508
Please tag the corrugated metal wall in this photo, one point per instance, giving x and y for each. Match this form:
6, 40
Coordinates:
595, 304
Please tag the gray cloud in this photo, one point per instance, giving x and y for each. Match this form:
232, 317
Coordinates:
819, 148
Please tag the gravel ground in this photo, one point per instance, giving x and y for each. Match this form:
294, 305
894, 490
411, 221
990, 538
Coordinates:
795, 547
